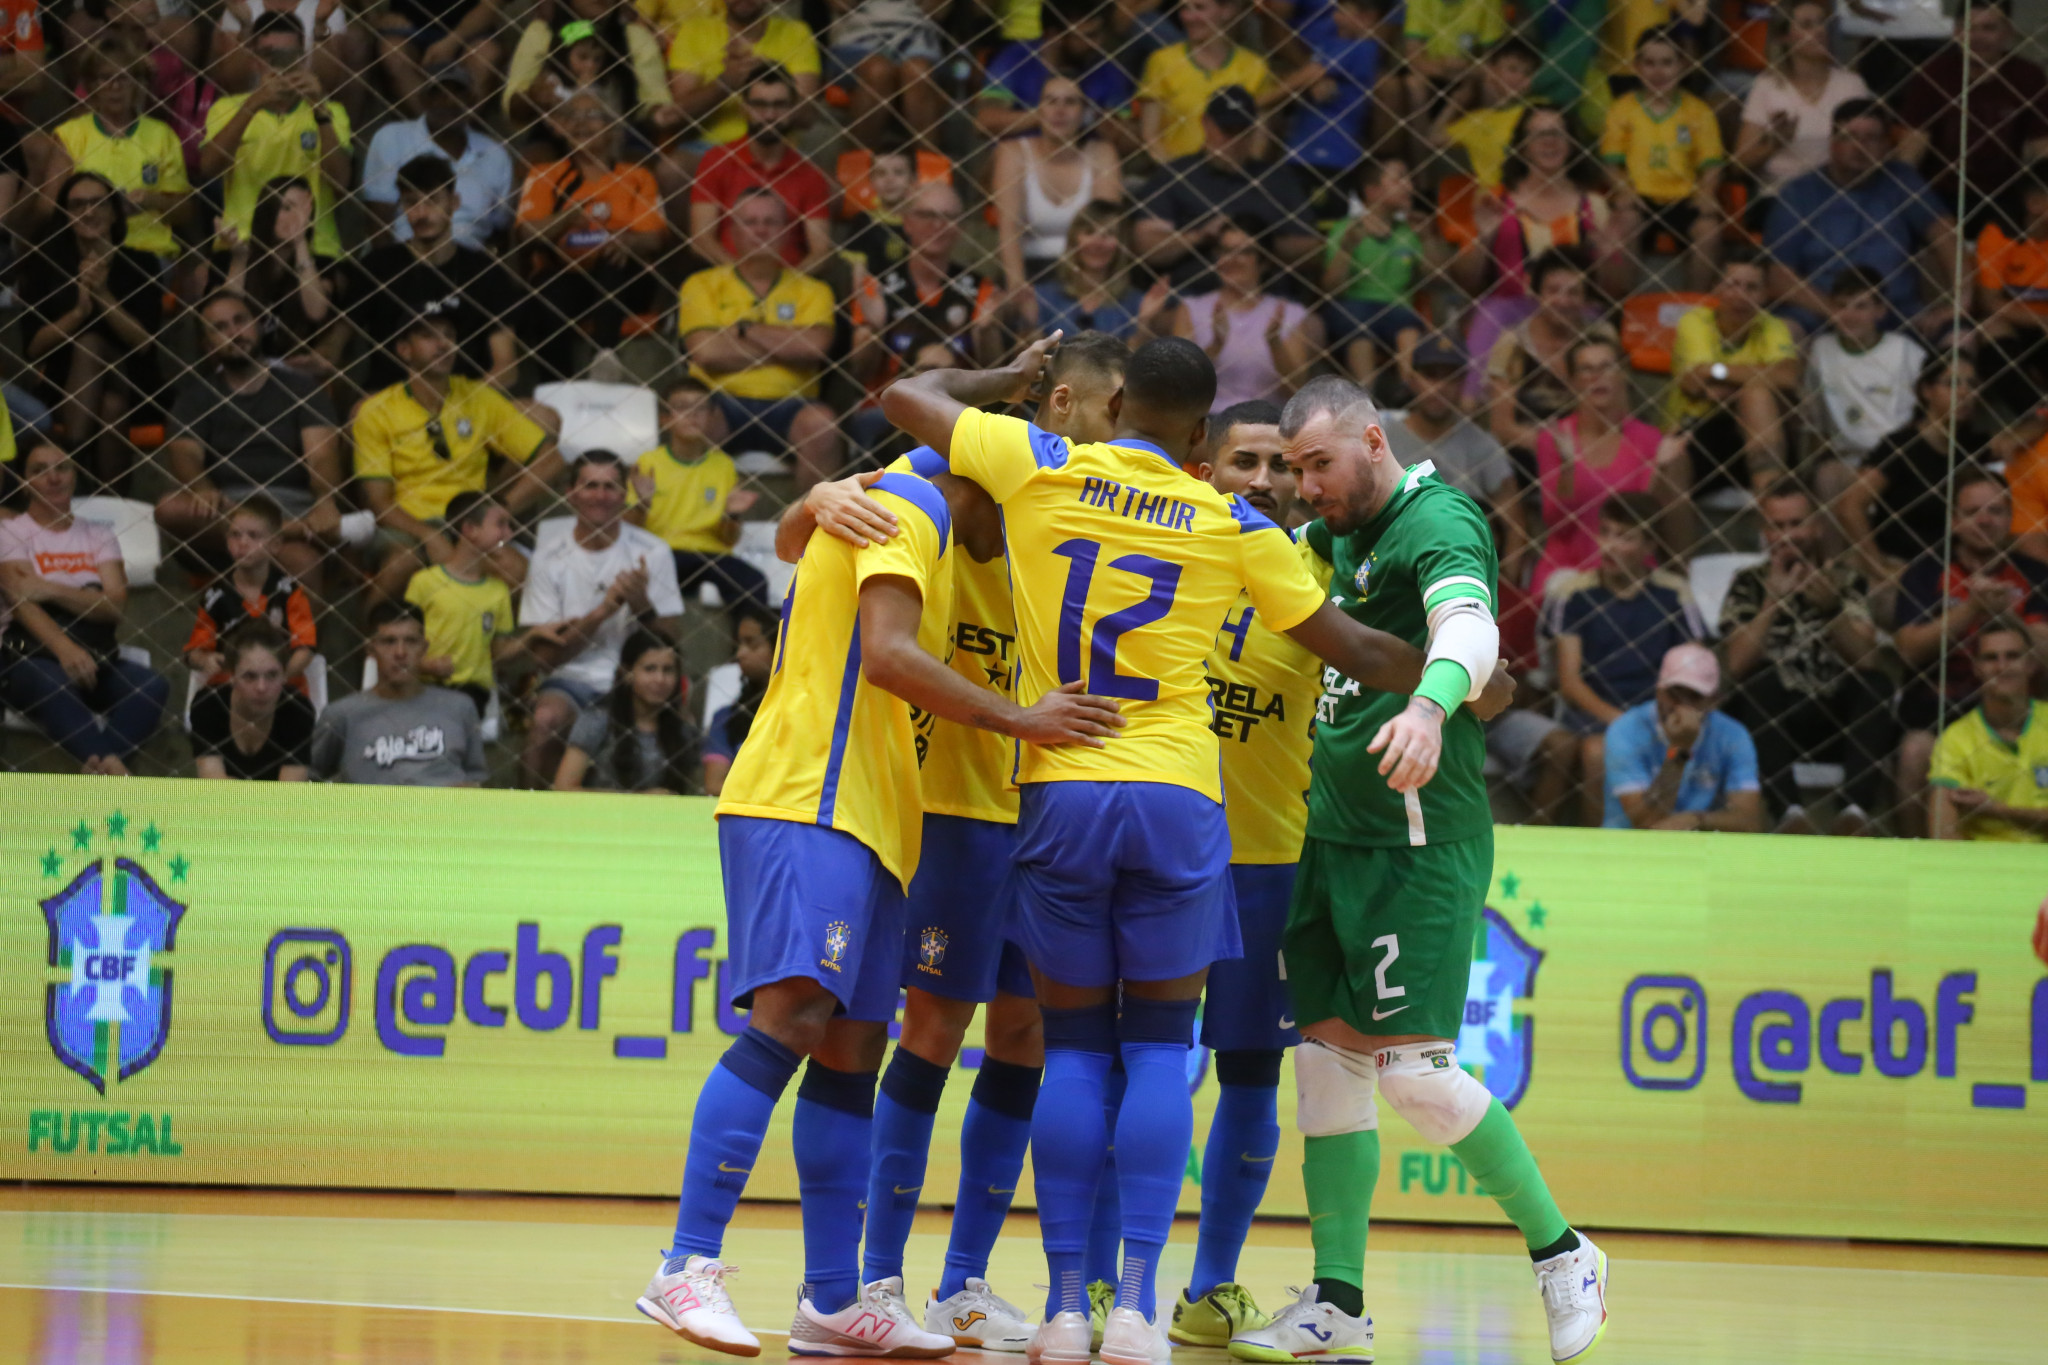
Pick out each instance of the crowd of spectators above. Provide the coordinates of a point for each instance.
(1735, 323)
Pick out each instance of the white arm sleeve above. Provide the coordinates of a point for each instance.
(1463, 631)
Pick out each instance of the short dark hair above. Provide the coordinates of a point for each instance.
(1556, 259)
(1253, 412)
(1171, 375)
(225, 295)
(467, 508)
(260, 505)
(426, 175)
(1969, 475)
(595, 459)
(685, 384)
(1659, 33)
(1745, 254)
(1999, 625)
(386, 613)
(252, 632)
(1853, 280)
(1636, 510)
(1096, 353)
(1788, 486)
(1848, 111)
(270, 23)
(770, 73)
(1514, 45)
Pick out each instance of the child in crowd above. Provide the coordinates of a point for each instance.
(1371, 265)
(877, 233)
(753, 649)
(254, 586)
(684, 491)
(1667, 141)
(469, 620)
(1485, 132)
(1864, 375)
(637, 739)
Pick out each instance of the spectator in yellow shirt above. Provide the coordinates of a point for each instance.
(714, 57)
(1668, 143)
(469, 619)
(1735, 374)
(685, 491)
(1442, 39)
(137, 155)
(1486, 132)
(757, 334)
(285, 127)
(1989, 777)
(1180, 79)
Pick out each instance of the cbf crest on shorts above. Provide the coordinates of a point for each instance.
(109, 1018)
(931, 950)
(838, 938)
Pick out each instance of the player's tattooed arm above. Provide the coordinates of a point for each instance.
(842, 508)
(928, 405)
(892, 660)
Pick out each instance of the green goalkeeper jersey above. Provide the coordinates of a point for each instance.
(1428, 546)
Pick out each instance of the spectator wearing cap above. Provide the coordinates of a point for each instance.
(1989, 775)
(1861, 208)
(1437, 430)
(1985, 113)
(1074, 46)
(1183, 210)
(1675, 762)
(483, 180)
(1371, 265)
(418, 36)
(433, 435)
(1261, 344)
(285, 127)
(763, 159)
(757, 334)
(1802, 653)
(713, 58)
(1735, 375)
(1176, 95)
(480, 299)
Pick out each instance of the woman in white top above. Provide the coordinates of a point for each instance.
(1040, 184)
(1785, 119)
(1262, 345)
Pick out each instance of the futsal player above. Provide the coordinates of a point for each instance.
(819, 834)
(1122, 565)
(958, 952)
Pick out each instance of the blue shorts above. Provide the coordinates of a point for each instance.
(582, 693)
(750, 422)
(803, 900)
(1123, 881)
(1247, 1007)
(962, 912)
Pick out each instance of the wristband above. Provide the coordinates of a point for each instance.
(1445, 682)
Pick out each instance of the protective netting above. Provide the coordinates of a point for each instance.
(1729, 314)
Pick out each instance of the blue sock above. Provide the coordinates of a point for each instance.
(1068, 1139)
(993, 1137)
(1153, 1131)
(726, 1130)
(835, 1117)
(1244, 1138)
(1106, 1235)
(903, 1137)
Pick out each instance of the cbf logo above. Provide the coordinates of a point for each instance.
(107, 998)
(837, 939)
(931, 950)
(1363, 578)
(1494, 1042)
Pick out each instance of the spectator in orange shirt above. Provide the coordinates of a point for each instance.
(592, 223)
(2012, 298)
(260, 589)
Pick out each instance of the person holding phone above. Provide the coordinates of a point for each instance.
(285, 127)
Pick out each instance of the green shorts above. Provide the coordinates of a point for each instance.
(1382, 937)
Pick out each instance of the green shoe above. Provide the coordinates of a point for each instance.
(1101, 1298)
(1216, 1317)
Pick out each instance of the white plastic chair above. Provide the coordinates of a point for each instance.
(1711, 576)
(721, 688)
(134, 526)
(757, 547)
(621, 418)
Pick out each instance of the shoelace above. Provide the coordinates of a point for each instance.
(891, 1304)
(1555, 1284)
(1236, 1301)
(709, 1281)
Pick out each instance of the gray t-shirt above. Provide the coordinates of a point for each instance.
(430, 740)
(591, 734)
(252, 440)
(1466, 457)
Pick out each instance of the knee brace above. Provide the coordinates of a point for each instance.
(1333, 1090)
(1426, 1086)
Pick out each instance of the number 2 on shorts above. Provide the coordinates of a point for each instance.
(1392, 943)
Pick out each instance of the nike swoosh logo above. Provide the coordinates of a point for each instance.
(1247, 1156)
(993, 1190)
(735, 1170)
(1379, 1014)
(1314, 1216)
(908, 1189)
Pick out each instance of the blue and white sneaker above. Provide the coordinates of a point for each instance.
(1574, 1289)
(1308, 1329)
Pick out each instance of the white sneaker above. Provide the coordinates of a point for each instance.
(877, 1323)
(1308, 1329)
(692, 1300)
(1127, 1339)
(1574, 1289)
(1062, 1340)
(977, 1316)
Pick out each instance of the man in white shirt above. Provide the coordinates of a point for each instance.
(484, 185)
(1866, 376)
(588, 589)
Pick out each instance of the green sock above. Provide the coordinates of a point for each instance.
(1501, 1162)
(1339, 1173)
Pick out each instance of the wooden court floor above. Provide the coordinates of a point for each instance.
(135, 1276)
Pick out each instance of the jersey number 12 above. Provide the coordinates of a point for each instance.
(1103, 679)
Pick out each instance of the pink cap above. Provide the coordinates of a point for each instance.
(1690, 666)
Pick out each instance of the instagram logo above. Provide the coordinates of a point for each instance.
(306, 976)
(1664, 1032)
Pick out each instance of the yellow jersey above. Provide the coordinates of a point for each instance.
(6, 432)
(1181, 88)
(1664, 154)
(1697, 341)
(464, 616)
(718, 297)
(274, 145)
(669, 15)
(146, 157)
(1123, 566)
(969, 772)
(1454, 28)
(1263, 689)
(1971, 754)
(394, 441)
(1485, 135)
(688, 505)
(699, 48)
(828, 747)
